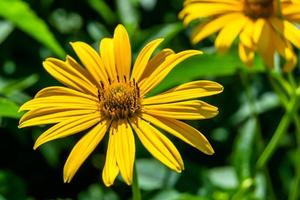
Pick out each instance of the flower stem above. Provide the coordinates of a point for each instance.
(295, 185)
(281, 129)
(136, 193)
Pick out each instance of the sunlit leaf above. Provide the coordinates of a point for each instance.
(5, 29)
(20, 14)
(127, 15)
(223, 177)
(103, 10)
(153, 175)
(11, 86)
(8, 108)
(244, 149)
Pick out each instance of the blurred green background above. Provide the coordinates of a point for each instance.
(33, 30)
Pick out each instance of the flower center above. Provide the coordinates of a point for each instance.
(119, 100)
(258, 8)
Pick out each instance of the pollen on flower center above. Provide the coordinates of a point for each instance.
(119, 100)
(258, 8)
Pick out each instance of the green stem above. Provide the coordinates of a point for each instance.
(279, 8)
(281, 129)
(296, 183)
(260, 142)
(136, 193)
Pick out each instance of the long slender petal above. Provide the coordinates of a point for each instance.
(288, 30)
(212, 26)
(191, 11)
(191, 90)
(63, 91)
(50, 116)
(107, 54)
(125, 150)
(122, 50)
(111, 169)
(163, 70)
(229, 33)
(91, 60)
(143, 58)
(190, 110)
(60, 102)
(158, 144)
(83, 149)
(61, 72)
(68, 127)
(182, 131)
(155, 61)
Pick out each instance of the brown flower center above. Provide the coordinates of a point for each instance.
(119, 100)
(258, 8)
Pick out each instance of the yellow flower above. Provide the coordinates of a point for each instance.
(106, 96)
(262, 26)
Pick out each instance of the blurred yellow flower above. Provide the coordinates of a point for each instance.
(263, 26)
(106, 96)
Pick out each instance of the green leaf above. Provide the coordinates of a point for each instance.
(5, 29)
(243, 150)
(8, 87)
(208, 64)
(153, 175)
(8, 108)
(167, 195)
(223, 177)
(20, 14)
(266, 102)
(11, 186)
(96, 192)
(166, 31)
(128, 15)
(103, 10)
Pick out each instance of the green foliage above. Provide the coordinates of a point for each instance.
(8, 108)
(251, 107)
(20, 14)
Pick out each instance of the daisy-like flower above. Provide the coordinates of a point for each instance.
(105, 96)
(263, 26)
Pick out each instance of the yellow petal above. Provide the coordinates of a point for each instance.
(204, 30)
(86, 75)
(268, 55)
(143, 58)
(288, 30)
(60, 102)
(49, 116)
(285, 49)
(246, 54)
(108, 57)
(68, 127)
(191, 90)
(64, 91)
(61, 72)
(182, 131)
(246, 34)
(111, 169)
(155, 61)
(229, 33)
(200, 10)
(122, 51)
(124, 150)
(261, 34)
(91, 60)
(158, 144)
(190, 110)
(83, 149)
(163, 70)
